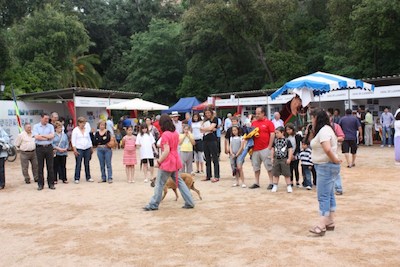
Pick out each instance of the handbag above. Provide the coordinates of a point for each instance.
(112, 143)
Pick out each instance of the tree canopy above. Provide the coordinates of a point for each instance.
(169, 49)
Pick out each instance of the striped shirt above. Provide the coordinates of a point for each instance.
(305, 157)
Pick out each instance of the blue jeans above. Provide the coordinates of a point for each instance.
(86, 156)
(386, 130)
(105, 154)
(327, 174)
(338, 184)
(306, 175)
(162, 177)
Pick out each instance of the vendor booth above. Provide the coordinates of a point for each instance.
(386, 94)
(184, 104)
(68, 103)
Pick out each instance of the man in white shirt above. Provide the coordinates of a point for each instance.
(175, 119)
(277, 120)
(26, 144)
(228, 122)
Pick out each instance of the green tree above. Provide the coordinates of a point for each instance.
(45, 44)
(376, 40)
(156, 61)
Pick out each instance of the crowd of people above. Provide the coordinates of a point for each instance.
(283, 148)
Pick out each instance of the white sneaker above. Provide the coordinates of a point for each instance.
(289, 189)
(389, 145)
(146, 180)
(274, 188)
(244, 186)
(309, 188)
(382, 145)
(90, 180)
(76, 181)
(234, 185)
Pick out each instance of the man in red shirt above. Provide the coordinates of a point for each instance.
(262, 147)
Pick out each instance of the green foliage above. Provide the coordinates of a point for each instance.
(168, 49)
(156, 61)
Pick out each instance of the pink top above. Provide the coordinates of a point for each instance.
(338, 130)
(173, 161)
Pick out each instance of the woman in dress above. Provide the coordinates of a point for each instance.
(129, 159)
(327, 164)
(169, 163)
(60, 147)
(104, 153)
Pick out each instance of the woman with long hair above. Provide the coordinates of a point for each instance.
(208, 128)
(104, 153)
(169, 163)
(327, 165)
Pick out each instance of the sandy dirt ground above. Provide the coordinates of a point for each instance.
(92, 224)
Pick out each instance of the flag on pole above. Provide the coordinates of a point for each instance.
(16, 110)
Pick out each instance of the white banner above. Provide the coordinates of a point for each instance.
(338, 95)
(81, 101)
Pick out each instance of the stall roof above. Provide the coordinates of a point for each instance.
(377, 81)
(246, 93)
(68, 94)
(184, 104)
(384, 80)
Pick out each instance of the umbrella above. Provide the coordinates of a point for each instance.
(319, 83)
(137, 104)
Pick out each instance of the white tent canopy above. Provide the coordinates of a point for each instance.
(137, 104)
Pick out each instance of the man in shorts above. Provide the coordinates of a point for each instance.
(262, 147)
(350, 126)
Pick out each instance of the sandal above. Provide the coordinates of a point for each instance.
(330, 227)
(214, 180)
(318, 231)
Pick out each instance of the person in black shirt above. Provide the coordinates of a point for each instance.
(104, 153)
(210, 143)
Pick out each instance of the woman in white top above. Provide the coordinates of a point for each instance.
(327, 165)
(198, 147)
(82, 147)
(146, 142)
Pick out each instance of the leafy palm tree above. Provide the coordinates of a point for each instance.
(83, 74)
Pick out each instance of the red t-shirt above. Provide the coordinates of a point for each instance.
(266, 127)
(158, 127)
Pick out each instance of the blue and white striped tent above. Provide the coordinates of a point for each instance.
(319, 83)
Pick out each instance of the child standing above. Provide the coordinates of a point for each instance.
(147, 145)
(281, 156)
(295, 140)
(118, 137)
(236, 148)
(306, 164)
(186, 141)
(129, 159)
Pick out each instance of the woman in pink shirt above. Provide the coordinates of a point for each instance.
(169, 163)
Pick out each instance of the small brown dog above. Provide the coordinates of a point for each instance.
(186, 177)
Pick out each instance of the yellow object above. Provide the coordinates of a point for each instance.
(254, 133)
